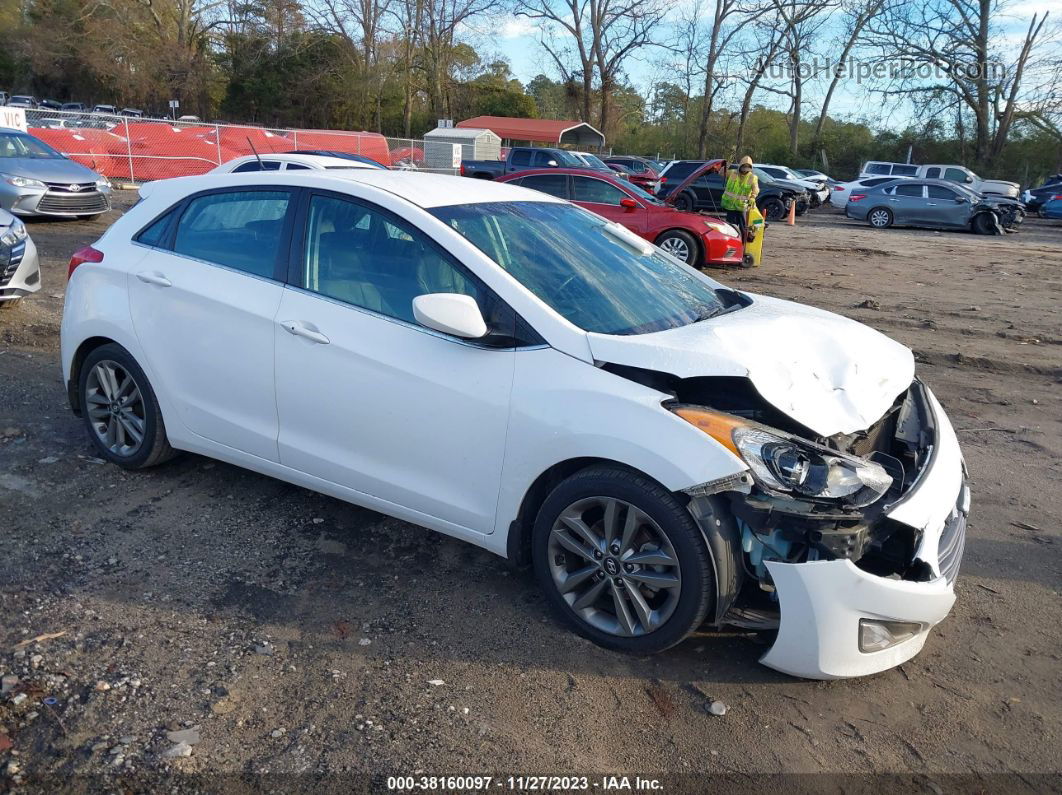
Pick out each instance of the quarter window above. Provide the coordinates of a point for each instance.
(238, 229)
(595, 191)
(155, 234)
(369, 259)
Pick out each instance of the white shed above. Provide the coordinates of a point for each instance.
(475, 144)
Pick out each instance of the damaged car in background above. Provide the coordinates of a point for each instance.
(934, 204)
(666, 451)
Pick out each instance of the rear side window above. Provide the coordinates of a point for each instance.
(933, 173)
(254, 165)
(297, 167)
(553, 184)
(904, 170)
(237, 229)
(155, 233)
(521, 157)
(878, 168)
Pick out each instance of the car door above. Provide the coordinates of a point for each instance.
(369, 399)
(942, 209)
(603, 198)
(908, 203)
(709, 189)
(203, 302)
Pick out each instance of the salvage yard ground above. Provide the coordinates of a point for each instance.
(302, 635)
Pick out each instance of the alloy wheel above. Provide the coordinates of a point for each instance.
(115, 408)
(879, 218)
(614, 566)
(677, 248)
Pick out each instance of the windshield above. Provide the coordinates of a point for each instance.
(579, 265)
(594, 161)
(16, 145)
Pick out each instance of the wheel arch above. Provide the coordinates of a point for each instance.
(86, 347)
(698, 244)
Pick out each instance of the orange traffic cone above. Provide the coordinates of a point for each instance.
(791, 220)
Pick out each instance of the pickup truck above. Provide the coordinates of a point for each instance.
(964, 176)
(520, 158)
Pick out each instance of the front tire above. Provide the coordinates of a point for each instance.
(773, 209)
(684, 203)
(880, 218)
(681, 245)
(120, 410)
(622, 561)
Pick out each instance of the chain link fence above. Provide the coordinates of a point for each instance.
(125, 148)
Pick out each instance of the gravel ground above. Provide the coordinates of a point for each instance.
(197, 626)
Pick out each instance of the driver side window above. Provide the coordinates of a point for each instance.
(365, 257)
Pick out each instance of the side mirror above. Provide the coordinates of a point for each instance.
(552, 164)
(628, 204)
(450, 313)
(960, 200)
(968, 178)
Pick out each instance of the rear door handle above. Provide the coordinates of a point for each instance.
(300, 329)
(154, 277)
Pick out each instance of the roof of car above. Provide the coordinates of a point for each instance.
(323, 161)
(421, 189)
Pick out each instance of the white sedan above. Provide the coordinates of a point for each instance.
(843, 191)
(509, 369)
(291, 161)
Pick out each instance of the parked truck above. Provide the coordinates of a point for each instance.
(520, 158)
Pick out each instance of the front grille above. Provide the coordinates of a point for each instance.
(952, 541)
(71, 187)
(89, 201)
(16, 254)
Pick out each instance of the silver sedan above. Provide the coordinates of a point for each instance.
(35, 179)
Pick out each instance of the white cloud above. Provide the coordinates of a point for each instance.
(516, 28)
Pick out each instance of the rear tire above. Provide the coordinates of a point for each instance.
(681, 245)
(880, 218)
(120, 410)
(622, 561)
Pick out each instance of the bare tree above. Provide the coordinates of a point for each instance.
(953, 48)
(769, 39)
(589, 36)
(858, 13)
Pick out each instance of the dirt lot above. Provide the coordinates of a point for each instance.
(302, 635)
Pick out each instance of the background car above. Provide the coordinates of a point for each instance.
(289, 162)
(110, 110)
(644, 172)
(933, 204)
(1052, 208)
(1035, 198)
(74, 107)
(818, 193)
(842, 190)
(706, 192)
(814, 173)
(35, 179)
(22, 101)
(20, 272)
(695, 239)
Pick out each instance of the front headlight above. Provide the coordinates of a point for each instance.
(22, 182)
(14, 233)
(788, 465)
(103, 184)
(721, 228)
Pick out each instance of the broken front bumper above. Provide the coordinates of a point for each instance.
(822, 602)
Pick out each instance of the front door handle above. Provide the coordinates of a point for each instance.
(300, 329)
(154, 277)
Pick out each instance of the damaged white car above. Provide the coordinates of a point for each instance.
(512, 370)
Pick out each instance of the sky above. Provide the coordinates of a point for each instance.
(516, 40)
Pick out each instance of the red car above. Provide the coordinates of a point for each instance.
(691, 237)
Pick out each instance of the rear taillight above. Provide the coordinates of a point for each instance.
(87, 254)
(663, 180)
(856, 197)
(1056, 197)
(838, 187)
(462, 169)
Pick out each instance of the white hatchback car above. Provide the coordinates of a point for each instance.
(509, 369)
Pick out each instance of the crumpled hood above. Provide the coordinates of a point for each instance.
(831, 374)
(48, 169)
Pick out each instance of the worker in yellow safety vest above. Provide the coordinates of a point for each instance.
(740, 194)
